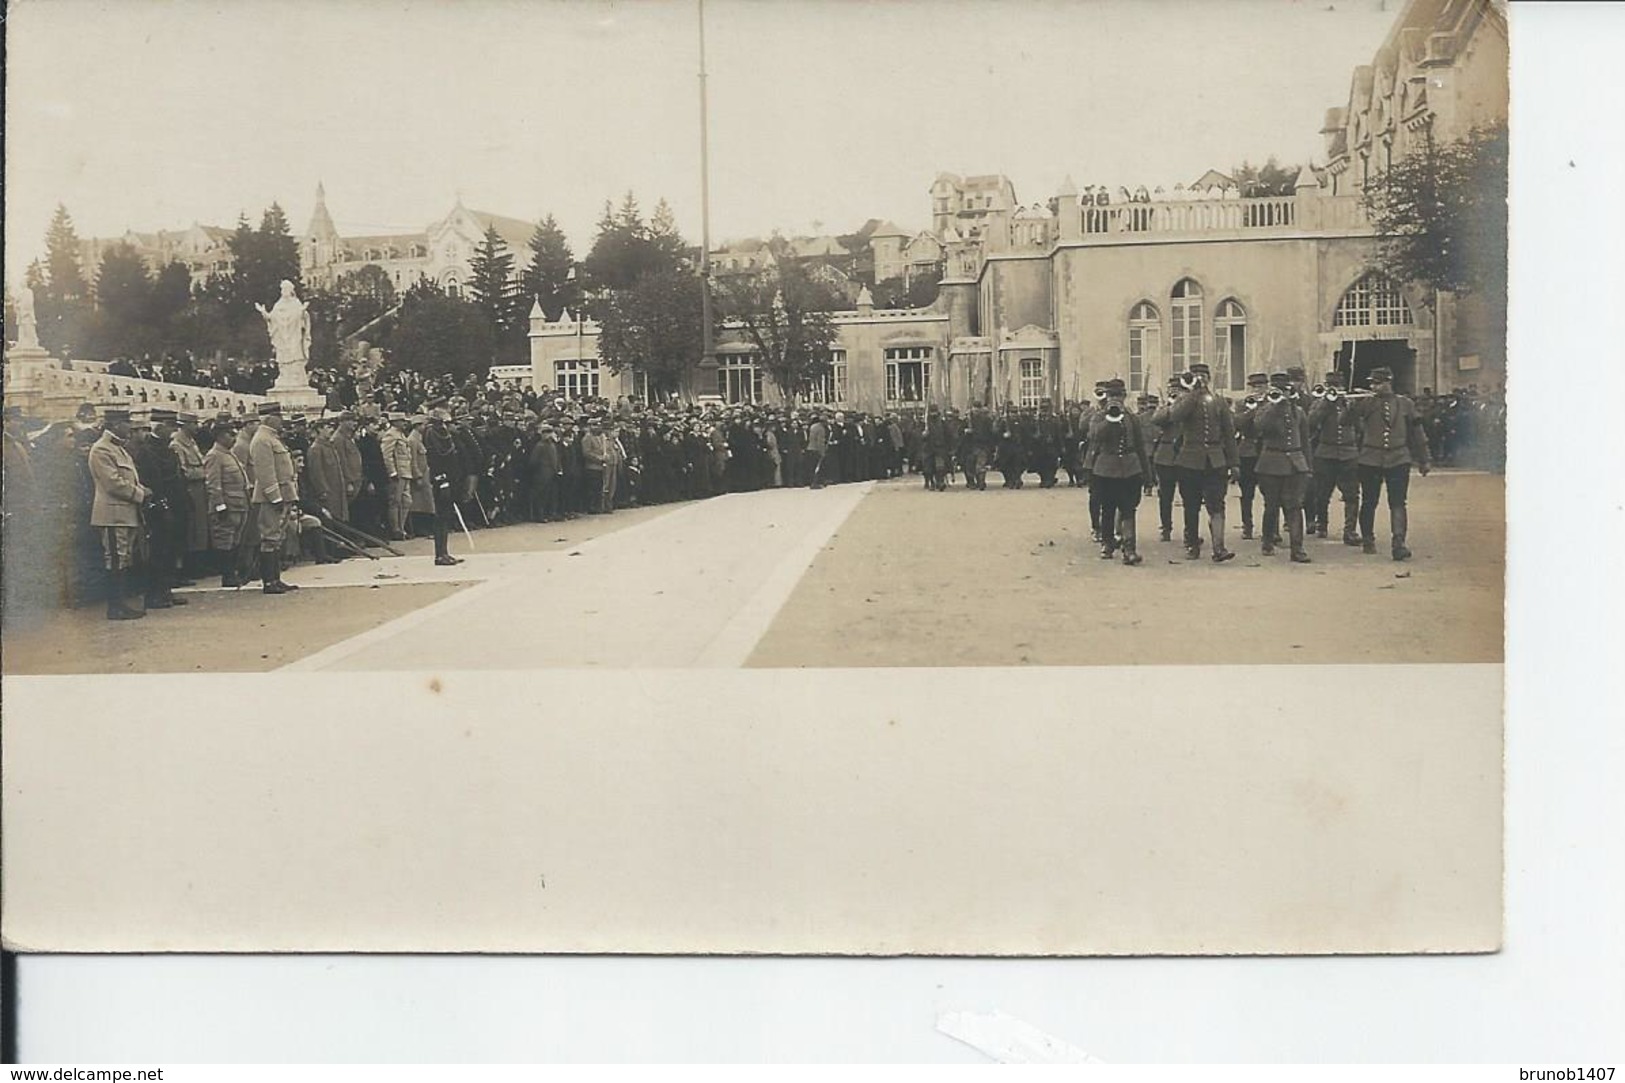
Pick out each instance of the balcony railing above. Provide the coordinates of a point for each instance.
(1286, 214)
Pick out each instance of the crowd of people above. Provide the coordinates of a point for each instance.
(242, 377)
(159, 498)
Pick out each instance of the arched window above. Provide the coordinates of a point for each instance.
(1230, 345)
(1144, 344)
(1187, 323)
(1373, 301)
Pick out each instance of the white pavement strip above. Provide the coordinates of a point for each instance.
(1009, 1040)
(696, 587)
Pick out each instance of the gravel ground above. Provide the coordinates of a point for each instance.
(1004, 578)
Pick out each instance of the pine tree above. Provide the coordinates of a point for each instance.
(279, 251)
(492, 289)
(62, 304)
(546, 279)
(124, 325)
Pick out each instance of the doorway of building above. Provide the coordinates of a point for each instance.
(1366, 354)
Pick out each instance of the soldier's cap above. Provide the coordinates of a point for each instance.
(269, 409)
(85, 411)
(1101, 384)
(298, 419)
(1257, 379)
(1116, 385)
(115, 413)
(222, 416)
(1173, 382)
(440, 413)
(1382, 373)
(1280, 379)
(186, 417)
(1149, 400)
(1200, 368)
(418, 419)
(1296, 372)
(1334, 379)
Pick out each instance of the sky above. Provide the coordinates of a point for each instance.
(153, 114)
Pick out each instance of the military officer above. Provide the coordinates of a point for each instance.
(1391, 440)
(1164, 453)
(1115, 467)
(160, 471)
(273, 495)
(116, 510)
(226, 483)
(1207, 458)
(443, 468)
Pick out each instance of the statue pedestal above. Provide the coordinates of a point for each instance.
(27, 369)
(293, 391)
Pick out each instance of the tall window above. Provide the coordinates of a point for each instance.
(576, 379)
(1373, 300)
(1230, 346)
(738, 378)
(908, 374)
(1144, 344)
(1187, 323)
(830, 389)
(1032, 381)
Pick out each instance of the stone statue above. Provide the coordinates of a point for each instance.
(288, 322)
(27, 327)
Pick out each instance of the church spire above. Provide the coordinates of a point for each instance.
(321, 223)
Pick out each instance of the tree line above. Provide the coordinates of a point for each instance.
(640, 282)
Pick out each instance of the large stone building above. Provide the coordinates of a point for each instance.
(1038, 302)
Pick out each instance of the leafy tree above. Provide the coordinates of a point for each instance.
(1270, 179)
(547, 277)
(441, 334)
(362, 295)
(786, 315)
(124, 326)
(1441, 215)
(655, 326)
(916, 291)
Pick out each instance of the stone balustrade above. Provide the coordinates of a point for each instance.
(1231, 217)
(50, 392)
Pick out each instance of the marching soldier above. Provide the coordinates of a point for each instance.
(1247, 478)
(1337, 448)
(1164, 454)
(1207, 458)
(1087, 417)
(1391, 440)
(1115, 468)
(1282, 431)
(935, 450)
(116, 511)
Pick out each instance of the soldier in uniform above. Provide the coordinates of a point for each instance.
(160, 471)
(1247, 477)
(1164, 455)
(227, 486)
(1115, 469)
(1048, 437)
(1087, 416)
(1010, 457)
(193, 523)
(977, 447)
(444, 465)
(1391, 440)
(1282, 432)
(935, 450)
(817, 450)
(116, 511)
(1207, 458)
(1336, 442)
(273, 496)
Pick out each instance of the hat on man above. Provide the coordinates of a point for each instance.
(1200, 368)
(269, 409)
(1280, 379)
(1257, 379)
(222, 415)
(161, 415)
(86, 412)
(1296, 372)
(1334, 379)
(186, 417)
(1382, 374)
(1116, 387)
(111, 414)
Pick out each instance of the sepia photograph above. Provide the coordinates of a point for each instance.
(925, 476)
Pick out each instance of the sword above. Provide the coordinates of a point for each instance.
(463, 523)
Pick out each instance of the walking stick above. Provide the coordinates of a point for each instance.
(356, 532)
(333, 535)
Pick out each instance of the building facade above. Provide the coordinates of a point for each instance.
(1038, 302)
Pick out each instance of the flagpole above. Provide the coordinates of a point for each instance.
(708, 351)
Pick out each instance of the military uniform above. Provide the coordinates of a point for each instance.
(1115, 467)
(1391, 439)
(1282, 430)
(115, 511)
(227, 486)
(1164, 459)
(1207, 456)
(1336, 440)
(160, 470)
(1248, 450)
(272, 497)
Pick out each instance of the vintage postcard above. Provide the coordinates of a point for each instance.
(703, 476)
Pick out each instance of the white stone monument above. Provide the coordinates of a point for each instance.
(288, 324)
(27, 363)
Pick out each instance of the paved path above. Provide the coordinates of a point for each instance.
(697, 586)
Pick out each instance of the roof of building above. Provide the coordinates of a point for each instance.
(515, 231)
